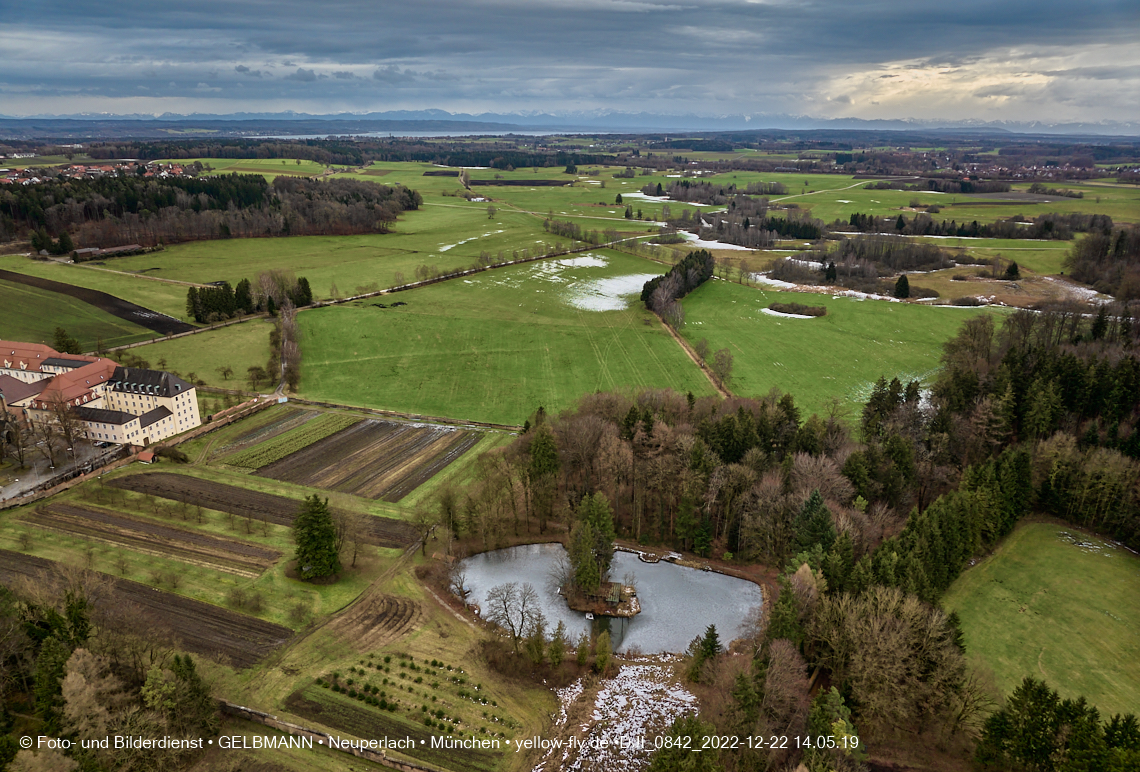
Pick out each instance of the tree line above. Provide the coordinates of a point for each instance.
(662, 293)
(1053, 226)
(274, 290)
(125, 209)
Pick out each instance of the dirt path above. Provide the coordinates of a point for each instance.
(721, 390)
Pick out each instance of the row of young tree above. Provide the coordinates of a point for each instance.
(125, 209)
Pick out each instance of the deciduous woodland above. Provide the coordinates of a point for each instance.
(112, 211)
(1037, 414)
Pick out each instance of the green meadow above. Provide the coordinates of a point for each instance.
(498, 345)
(201, 356)
(1056, 604)
(161, 296)
(31, 314)
(839, 355)
(429, 237)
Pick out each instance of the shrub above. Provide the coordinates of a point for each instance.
(798, 308)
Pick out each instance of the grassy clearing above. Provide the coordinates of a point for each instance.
(839, 355)
(1045, 607)
(238, 346)
(31, 314)
(161, 296)
(494, 347)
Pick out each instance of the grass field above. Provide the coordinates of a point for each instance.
(1046, 607)
(427, 237)
(238, 346)
(839, 355)
(31, 314)
(164, 297)
(497, 346)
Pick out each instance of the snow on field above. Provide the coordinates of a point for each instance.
(609, 294)
(691, 238)
(843, 201)
(638, 704)
(770, 312)
(662, 199)
(763, 278)
(459, 243)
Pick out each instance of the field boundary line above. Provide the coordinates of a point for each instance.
(722, 390)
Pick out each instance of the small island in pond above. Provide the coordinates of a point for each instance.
(612, 599)
(585, 581)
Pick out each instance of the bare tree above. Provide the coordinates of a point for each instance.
(424, 520)
(491, 212)
(513, 608)
(16, 436)
(722, 365)
(226, 372)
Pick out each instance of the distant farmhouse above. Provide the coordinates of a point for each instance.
(122, 405)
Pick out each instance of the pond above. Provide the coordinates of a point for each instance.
(677, 602)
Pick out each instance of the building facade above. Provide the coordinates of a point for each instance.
(109, 403)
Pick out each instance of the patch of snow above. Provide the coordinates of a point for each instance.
(609, 294)
(638, 704)
(770, 312)
(763, 278)
(844, 201)
(662, 199)
(693, 239)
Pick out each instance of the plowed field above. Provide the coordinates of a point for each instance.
(201, 628)
(374, 459)
(229, 555)
(376, 620)
(382, 531)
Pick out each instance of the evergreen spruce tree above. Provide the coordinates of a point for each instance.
(315, 535)
(902, 287)
(813, 525)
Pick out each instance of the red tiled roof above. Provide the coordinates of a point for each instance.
(24, 356)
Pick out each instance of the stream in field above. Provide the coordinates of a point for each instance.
(677, 602)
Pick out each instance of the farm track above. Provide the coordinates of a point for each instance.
(228, 555)
(144, 317)
(201, 628)
(374, 459)
(381, 531)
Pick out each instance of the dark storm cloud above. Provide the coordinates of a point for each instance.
(660, 55)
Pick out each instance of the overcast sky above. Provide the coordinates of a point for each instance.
(1048, 60)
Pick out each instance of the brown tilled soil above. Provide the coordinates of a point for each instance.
(373, 458)
(145, 536)
(382, 531)
(375, 620)
(201, 628)
(144, 317)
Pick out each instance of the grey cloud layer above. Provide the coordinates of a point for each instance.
(662, 55)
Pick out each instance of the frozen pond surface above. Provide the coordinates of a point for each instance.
(677, 602)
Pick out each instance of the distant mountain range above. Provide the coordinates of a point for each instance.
(171, 125)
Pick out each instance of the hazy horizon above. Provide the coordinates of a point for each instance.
(972, 61)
